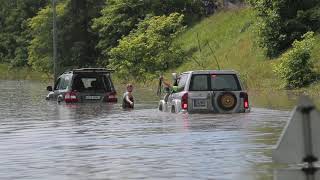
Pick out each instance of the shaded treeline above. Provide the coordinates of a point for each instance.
(87, 29)
(14, 32)
(135, 36)
(76, 40)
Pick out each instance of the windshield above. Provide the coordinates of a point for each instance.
(214, 82)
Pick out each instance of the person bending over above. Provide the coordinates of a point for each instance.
(167, 88)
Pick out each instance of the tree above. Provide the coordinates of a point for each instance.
(149, 49)
(284, 21)
(14, 32)
(120, 17)
(76, 39)
(296, 67)
(40, 48)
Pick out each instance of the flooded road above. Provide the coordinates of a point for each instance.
(44, 140)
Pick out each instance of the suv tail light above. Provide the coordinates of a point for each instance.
(245, 99)
(71, 97)
(184, 101)
(112, 97)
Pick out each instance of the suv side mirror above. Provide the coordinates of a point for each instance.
(49, 88)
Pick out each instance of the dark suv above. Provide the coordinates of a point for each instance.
(84, 85)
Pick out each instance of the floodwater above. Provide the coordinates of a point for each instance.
(44, 140)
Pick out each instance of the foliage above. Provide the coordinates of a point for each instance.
(295, 66)
(193, 10)
(26, 28)
(76, 40)
(149, 48)
(120, 17)
(310, 17)
(14, 33)
(283, 21)
(40, 48)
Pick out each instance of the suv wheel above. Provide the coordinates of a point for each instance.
(160, 107)
(227, 101)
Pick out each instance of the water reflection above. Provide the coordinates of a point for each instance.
(44, 140)
(84, 111)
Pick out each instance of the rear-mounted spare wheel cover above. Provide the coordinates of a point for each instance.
(227, 101)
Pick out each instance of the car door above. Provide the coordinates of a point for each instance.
(226, 91)
(61, 87)
(175, 98)
(56, 89)
(200, 93)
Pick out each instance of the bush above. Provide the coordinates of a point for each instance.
(281, 22)
(270, 37)
(295, 66)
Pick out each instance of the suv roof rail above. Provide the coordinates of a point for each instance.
(98, 70)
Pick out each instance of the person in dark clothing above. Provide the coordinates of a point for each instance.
(128, 100)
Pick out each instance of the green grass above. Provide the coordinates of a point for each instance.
(232, 40)
(23, 73)
(316, 53)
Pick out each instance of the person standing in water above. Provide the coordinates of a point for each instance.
(168, 88)
(128, 100)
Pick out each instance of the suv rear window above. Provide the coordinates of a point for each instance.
(214, 82)
(84, 82)
(182, 82)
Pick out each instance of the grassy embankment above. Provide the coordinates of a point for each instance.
(231, 36)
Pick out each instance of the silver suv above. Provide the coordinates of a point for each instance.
(207, 91)
(83, 85)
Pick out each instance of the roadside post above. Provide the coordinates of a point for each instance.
(54, 39)
(299, 144)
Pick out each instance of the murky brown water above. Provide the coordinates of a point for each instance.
(44, 140)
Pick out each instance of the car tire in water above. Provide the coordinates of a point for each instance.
(160, 107)
(173, 109)
(225, 102)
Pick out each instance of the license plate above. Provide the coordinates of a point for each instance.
(93, 97)
(200, 103)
